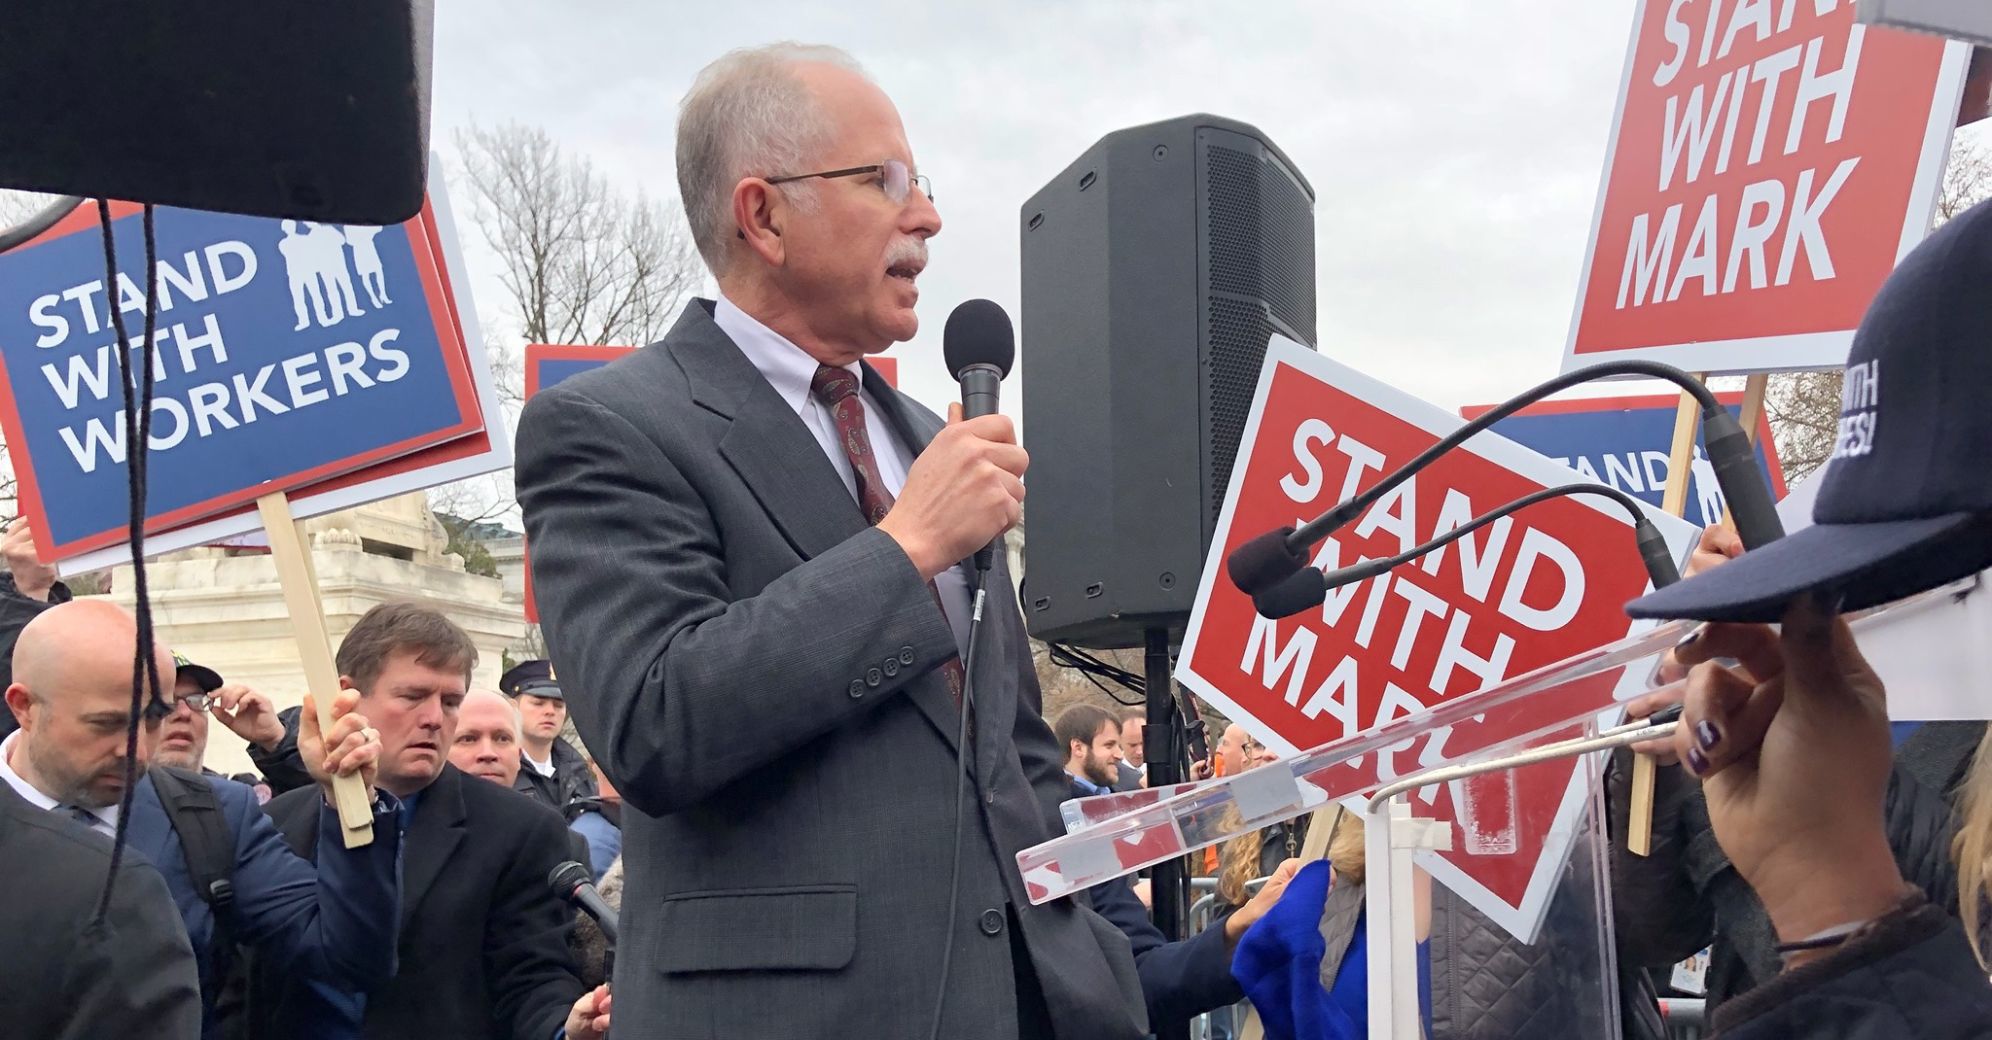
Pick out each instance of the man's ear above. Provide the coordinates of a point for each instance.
(759, 211)
(22, 704)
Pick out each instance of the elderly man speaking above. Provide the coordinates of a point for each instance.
(747, 550)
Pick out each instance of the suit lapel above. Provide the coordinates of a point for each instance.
(767, 443)
(432, 838)
(784, 466)
(915, 427)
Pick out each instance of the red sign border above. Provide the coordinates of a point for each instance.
(1811, 351)
(435, 289)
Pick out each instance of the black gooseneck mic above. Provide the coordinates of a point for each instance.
(979, 345)
(1307, 587)
(576, 886)
(1276, 555)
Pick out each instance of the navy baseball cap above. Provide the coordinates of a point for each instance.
(1904, 505)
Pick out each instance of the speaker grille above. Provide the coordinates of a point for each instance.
(1232, 186)
(1287, 249)
(1260, 265)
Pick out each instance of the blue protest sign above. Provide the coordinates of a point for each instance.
(286, 353)
(1624, 442)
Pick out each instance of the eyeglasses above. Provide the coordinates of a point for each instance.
(894, 178)
(159, 708)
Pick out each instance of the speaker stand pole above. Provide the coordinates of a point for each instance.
(1164, 746)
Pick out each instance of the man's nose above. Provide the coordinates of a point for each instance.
(922, 218)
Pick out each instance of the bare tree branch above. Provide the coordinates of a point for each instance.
(581, 261)
(1804, 407)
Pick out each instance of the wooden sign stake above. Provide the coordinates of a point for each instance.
(288, 548)
(1680, 461)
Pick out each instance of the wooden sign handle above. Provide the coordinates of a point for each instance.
(1680, 460)
(321, 676)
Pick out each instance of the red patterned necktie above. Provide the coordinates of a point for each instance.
(837, 389)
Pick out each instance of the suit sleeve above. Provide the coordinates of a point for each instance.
(680, 689)
(134, 974)
(528, 969)
(1179, 980)
(336, 921)
(1037, 747)
(282, 766)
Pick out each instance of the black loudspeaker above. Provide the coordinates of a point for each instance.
(1154, 269)
(312, 110)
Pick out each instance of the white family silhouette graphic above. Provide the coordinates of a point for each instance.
(315, 261)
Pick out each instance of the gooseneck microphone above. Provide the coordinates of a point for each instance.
(1273, 557)
(1308, 587)
(979, 345)
(576, 886)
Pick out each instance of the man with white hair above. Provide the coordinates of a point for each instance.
(748, 551)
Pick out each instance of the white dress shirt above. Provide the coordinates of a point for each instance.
(104, 821)
(789, 369)
(542, 768)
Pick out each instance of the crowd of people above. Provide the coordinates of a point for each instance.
(752, 557)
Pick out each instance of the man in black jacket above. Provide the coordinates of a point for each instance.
(483, 950)
(66, 977)
(550, 770)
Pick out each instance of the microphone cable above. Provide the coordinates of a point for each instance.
(962, 752)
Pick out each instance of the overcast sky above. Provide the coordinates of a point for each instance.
(1454, 146)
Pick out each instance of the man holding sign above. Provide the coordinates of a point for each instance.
(234, 881)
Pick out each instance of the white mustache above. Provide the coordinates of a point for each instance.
(907, 251)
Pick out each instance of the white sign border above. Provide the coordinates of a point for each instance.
(1806, 351)
(499, 456)
(1523, 921)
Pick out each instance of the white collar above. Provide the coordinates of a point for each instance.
(787, 367)
(108, 815)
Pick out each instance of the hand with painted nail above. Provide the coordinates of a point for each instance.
(1793, 750)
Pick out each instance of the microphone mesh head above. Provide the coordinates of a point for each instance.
(979, 333)
(567, 877)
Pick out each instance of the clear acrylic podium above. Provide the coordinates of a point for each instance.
(1463, 744)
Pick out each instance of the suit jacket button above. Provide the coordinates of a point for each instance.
(857, 688)
(906, 656)
(891, 666)
(992, 922)
(873, 678)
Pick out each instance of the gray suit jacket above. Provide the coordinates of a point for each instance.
(758, 671)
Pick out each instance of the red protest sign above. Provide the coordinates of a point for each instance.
(1529, 590)
(1769, 163)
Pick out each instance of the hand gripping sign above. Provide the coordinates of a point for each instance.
(1769, 162)
(1526, 591)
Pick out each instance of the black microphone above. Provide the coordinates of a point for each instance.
(1307, 587)
(980, 345)
(576, 886)
(1271, 558)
